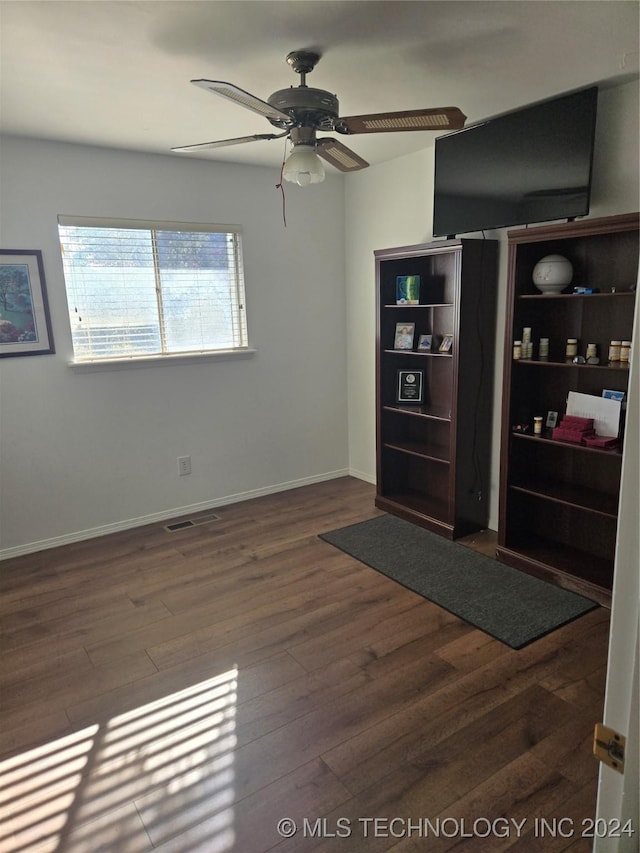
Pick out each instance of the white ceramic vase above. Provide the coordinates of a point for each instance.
(552, 274)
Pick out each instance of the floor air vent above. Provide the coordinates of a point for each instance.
(191, 522)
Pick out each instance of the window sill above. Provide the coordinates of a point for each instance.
(160, 360)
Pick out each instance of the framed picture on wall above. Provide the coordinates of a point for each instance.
(25, 326)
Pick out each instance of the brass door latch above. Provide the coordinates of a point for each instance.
(608, 746)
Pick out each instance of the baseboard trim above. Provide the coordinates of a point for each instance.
(165, 515)
(361, 475)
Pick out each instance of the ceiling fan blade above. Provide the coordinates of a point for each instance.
(441, 118)
(245, 99)
(340, 156)
(222, 143)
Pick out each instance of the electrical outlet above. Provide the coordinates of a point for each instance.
(184, 465)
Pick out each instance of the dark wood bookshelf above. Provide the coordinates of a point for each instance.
(559, 500)
(433, 457)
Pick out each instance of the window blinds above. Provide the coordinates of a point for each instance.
(139, 289)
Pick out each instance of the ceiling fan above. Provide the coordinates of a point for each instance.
(300, 112)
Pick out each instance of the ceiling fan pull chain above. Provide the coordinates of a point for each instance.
(280, 186)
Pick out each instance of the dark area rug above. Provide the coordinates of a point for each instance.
(509, 605)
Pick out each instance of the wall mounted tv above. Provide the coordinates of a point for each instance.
(529, 165)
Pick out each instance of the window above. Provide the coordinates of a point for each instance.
(148, 289)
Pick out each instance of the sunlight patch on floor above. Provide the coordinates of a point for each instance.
(138, 780)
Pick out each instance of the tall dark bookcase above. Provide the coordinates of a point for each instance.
(558, 500)
(433, 455)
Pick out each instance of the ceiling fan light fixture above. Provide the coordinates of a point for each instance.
(303, 166)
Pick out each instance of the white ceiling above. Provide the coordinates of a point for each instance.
(117, 73)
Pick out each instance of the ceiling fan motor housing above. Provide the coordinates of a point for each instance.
(307, 107)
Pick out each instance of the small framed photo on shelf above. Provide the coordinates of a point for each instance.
(410, 386)
(552, 419)
(407, 289)
(404, 335)
(424, 343)
(446, 344)
(607, 393)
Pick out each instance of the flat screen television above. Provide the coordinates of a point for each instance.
(529, 165)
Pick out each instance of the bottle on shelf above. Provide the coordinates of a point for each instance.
(543, 348)
(614, 351)
(571, 349)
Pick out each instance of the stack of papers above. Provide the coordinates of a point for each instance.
(604, 412)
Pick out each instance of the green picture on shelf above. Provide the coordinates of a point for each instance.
(407, 289)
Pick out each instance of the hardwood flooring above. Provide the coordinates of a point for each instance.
(187, 691)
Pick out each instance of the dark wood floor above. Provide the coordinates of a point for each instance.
(187, 691)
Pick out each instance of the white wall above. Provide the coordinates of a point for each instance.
(391, 205)
(83, 453)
